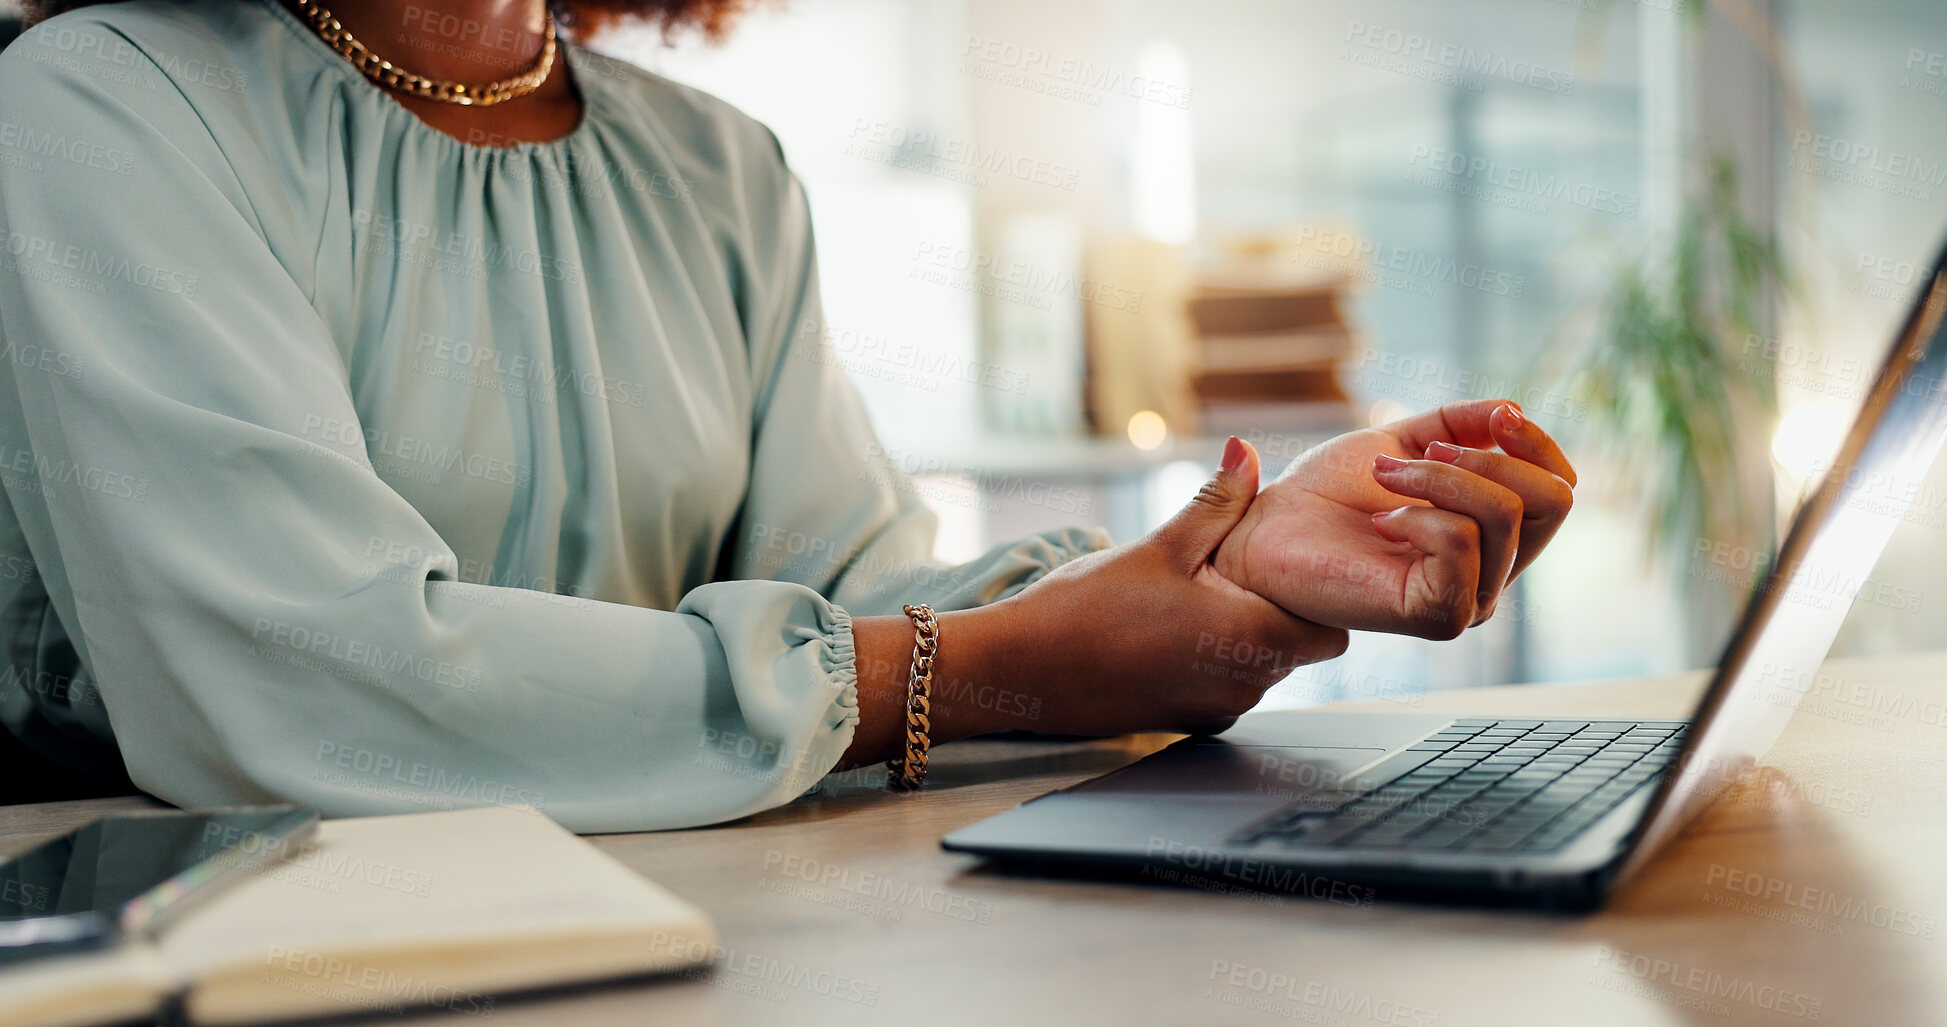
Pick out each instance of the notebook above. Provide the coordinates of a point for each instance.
(439, 910)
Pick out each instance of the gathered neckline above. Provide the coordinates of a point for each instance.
(575, 59)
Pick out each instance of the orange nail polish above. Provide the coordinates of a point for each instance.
(1513, 414)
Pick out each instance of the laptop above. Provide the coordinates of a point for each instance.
(1504, 810)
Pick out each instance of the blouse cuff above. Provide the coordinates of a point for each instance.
(1053, 549)
(842, 664)
(1072, 544)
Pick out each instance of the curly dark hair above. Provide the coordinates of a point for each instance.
(582, 18)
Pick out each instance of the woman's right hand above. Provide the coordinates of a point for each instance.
(1415, 527)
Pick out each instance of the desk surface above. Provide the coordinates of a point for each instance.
(1811, 893)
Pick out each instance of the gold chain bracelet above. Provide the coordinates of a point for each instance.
(909, 771)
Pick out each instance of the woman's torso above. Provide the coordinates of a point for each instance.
(544, 344)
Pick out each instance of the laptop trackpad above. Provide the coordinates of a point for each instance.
(1237, 771)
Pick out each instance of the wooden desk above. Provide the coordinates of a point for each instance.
(842, 909)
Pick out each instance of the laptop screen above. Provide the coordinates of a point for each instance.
(1836, 537)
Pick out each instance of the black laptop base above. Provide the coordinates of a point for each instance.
(1356, 808)
(1350, 887)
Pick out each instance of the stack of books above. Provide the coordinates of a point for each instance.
(1267, 351)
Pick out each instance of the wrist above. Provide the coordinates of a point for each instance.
(971, 678)
(962, 703)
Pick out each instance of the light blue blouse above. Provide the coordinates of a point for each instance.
(352, 465)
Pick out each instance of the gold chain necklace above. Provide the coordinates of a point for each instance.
(391, 76)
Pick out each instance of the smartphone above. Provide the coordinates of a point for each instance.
(128, 875)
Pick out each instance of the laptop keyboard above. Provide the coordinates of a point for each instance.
(1507, 785)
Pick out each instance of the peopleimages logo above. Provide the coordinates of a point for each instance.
(1224, 866)
(1821, 902)
(857, 350)
(1275, 991)
(1068, 78)
(1403, 376)
(359, 653)
(1893, 163)
(877, 886)
(1866, 696)
(422, 780)
(945, 263)
(455, 252)
(32, 252)
(137, 63)
(1838, 159)
(1707, 985)
(1383, 263)
(1525, 183)
(1462, 60)
(915, 149)
(64, 149)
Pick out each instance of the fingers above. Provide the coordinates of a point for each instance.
(1522, 439)
(1300, 641)
(1495, 510)
(1545, 497)
(1439, 600)
(1199, 528)
(1480, 423)
(1265, 645)
(1252, 644)
(1464, 424)
(1278, 640)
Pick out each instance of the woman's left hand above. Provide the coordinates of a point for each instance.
(1412, 528)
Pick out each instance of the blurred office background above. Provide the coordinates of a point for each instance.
(998, 183)
(1068, 245)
